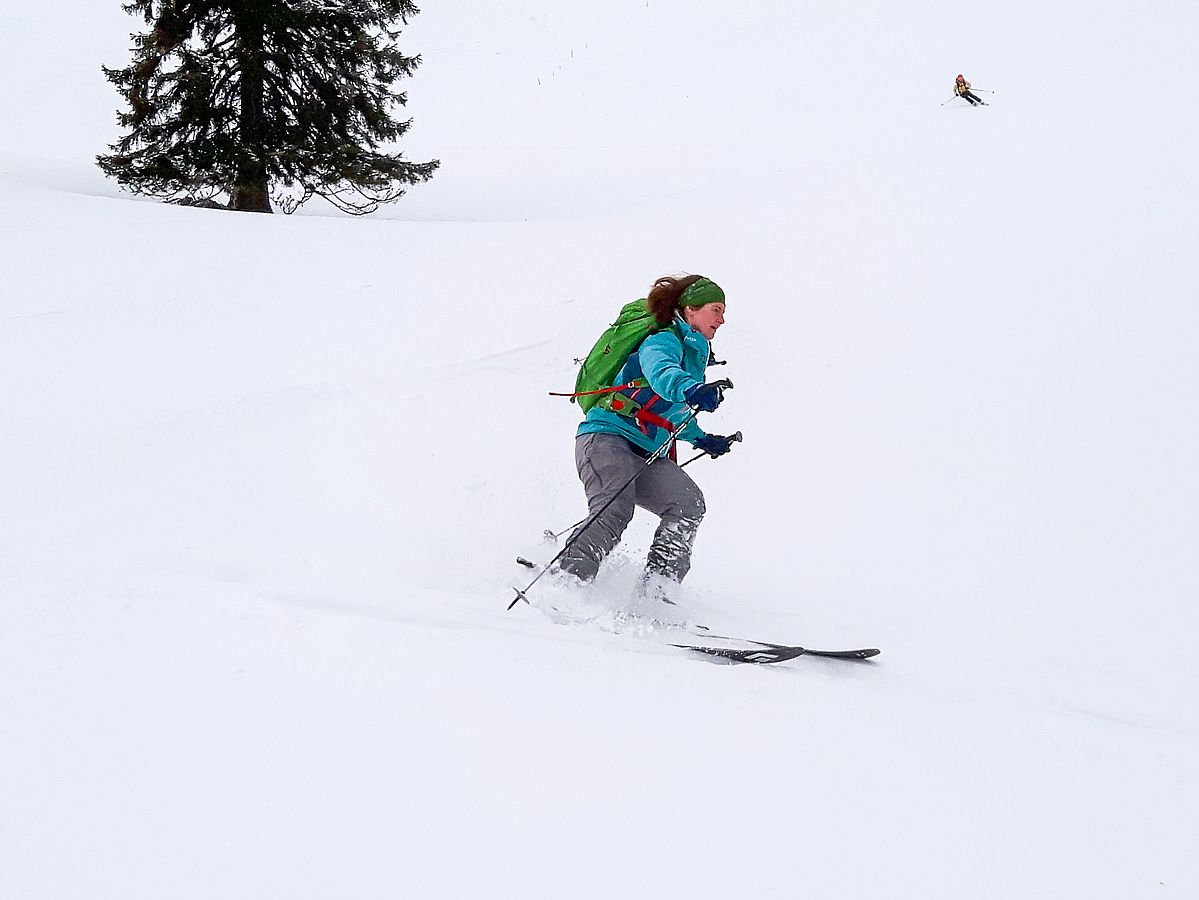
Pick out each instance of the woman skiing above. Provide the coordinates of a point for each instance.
(658, 392)
(961, 87)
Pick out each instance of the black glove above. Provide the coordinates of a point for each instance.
(705, 397)
(716, 444)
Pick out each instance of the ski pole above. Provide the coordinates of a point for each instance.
(662, 450)
(984, 90)
(551, 535)
(954, 97)
(554, 535)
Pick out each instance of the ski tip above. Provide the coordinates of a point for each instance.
(527, 563)
(846, 654)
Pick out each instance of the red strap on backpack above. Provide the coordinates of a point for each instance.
(609, 390)
(652, 418)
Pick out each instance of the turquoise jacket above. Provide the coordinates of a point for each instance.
(672, 361)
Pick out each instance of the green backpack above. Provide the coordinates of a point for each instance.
(634, 324)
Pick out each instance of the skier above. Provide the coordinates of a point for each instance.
(961, 87)
(622, 431)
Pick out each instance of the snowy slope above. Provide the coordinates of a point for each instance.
(263, 477)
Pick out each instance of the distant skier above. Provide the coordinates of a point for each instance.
(656, 390)
(961, 87)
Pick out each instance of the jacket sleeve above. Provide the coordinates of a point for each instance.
(662, 364)
(691, 432)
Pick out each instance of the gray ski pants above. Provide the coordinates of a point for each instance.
(606, 462)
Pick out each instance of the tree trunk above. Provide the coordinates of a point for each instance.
(251, 197)
(251, 189)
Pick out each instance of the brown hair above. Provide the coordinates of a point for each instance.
(663, 298)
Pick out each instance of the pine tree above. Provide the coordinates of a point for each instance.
(236, 97)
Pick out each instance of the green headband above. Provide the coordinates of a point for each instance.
(701, 293)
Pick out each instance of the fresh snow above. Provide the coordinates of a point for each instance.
(263, 477)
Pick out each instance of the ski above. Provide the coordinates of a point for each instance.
(867, 653)
(761, 653)
(764, 653)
